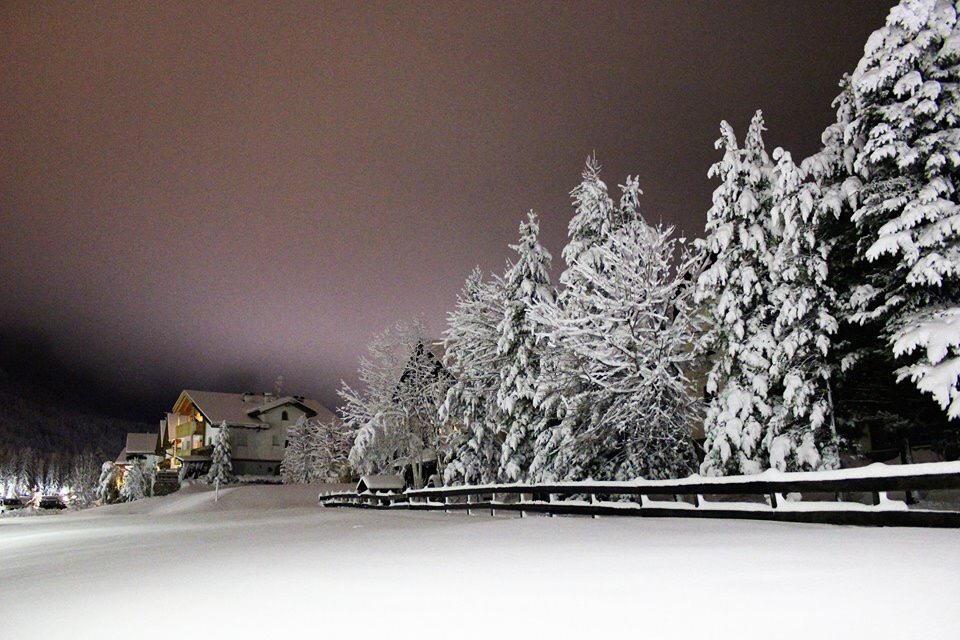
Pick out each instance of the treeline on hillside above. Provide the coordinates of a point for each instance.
(25, 471)
(49, 446)
(45, 421)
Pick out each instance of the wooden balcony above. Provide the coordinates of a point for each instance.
(190, 428)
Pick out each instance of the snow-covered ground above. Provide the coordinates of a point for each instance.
(266, 562)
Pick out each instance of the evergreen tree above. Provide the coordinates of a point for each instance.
(526, 284)
(134, 485)
(633, 338)
(562, 394)
(471, 405)
(907, 98)
(882, 171)
(221, 461)
(107, 484)
(736, 290)
(801, 434)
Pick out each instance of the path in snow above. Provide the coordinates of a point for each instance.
(265, 562)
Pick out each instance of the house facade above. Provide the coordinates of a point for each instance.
(258, 424)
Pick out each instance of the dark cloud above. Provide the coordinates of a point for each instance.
(209, 194)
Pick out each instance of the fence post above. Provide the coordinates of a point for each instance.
(593, 501)
(550, 501)
(493, 498)
(469, 510)
(773, 500)
(523, 514)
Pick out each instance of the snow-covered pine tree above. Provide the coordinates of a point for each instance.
(633, 338)
(107, 484)
(563, 395)
(801, 436)
(526, 283)
(470, 407)
(221, 460)
(293, 466)
(735, 288)
(906, 92)
(134, 485)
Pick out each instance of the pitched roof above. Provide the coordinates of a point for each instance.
(239, 409)
(138, 444)
(380, 483)
(141, 443)
(279, 402)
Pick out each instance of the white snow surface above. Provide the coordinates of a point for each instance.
(266, 561)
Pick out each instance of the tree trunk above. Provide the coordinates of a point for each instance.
(906, 457)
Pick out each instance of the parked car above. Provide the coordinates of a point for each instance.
(10, 504)
(52, 502)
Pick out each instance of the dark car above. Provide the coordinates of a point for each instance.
(10, 504)
(52, 502)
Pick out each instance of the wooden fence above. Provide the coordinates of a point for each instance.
(876, 495)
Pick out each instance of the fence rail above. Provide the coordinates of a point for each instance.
(826, 497)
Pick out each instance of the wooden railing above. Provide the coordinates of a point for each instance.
(849, 496)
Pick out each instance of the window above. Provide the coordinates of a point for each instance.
(276, 441)
(284, 416)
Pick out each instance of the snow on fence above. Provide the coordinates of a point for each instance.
(817, 497)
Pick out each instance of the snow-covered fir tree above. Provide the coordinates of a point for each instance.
(563, 395)
(134, 485)
(526, 284)
(471, 405)
(801, 435)
(906, 93)
(107, 492)
(633, 339)
(735, 289)
(221, 460)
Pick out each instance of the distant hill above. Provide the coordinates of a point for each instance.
(38, 418)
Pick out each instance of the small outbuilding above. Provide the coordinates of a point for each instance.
(381, 484)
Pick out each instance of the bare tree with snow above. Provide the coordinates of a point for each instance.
(395, 413)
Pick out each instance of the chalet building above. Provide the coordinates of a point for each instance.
(258, 424)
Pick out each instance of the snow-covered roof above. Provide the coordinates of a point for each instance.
(380, 483)
(138, 444)
(237, 408)
(141, 443)
(280, 402)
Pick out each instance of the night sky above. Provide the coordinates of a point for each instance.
(204, 195)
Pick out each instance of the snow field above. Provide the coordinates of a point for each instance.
(265, 561)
